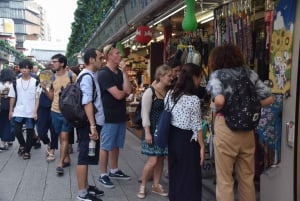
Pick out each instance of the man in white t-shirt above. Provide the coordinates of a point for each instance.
(24, 101)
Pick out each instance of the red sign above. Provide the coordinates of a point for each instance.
(143, 34)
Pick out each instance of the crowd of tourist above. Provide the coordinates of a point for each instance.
(30, 113)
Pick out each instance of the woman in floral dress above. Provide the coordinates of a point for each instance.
(152, 106)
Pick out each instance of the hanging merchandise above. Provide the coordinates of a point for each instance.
(189, 22)
(282, 47)
(193, 56)
(269, 132)
(232, 25)
(143, 34)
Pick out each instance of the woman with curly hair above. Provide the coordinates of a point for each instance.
(234, 149)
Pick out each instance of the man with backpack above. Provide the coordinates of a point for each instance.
(60, 124)
(24, 101)
(237, 94)
(90, 133)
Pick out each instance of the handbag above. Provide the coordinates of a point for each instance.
(162, 131)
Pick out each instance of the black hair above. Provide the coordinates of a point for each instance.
(185, 83)
(90, 53)
(173, 62)
(7, 75)
(61, 58)
(26, 63)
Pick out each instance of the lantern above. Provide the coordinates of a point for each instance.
(189, 22)
(143, 34)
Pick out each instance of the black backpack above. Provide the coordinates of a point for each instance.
(70, 103)
(242, 109)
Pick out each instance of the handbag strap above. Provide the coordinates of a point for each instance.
(167, 103)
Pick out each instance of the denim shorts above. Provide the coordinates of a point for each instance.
(112, 135)
(84, 139)
(29, 122)
(59, 123)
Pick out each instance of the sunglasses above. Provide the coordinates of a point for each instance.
(113, 46)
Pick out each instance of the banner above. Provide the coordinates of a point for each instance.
(282, 47)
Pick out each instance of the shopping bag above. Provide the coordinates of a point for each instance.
(162, 131)
(161, 134)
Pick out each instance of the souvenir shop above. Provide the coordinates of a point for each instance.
(264, 29)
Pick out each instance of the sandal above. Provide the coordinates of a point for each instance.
(21, 151)
(50, 157)
(26, 156)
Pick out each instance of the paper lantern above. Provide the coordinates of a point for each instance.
(189, 22)
(143, 34)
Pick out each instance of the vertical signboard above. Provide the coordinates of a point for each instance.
(282, 47)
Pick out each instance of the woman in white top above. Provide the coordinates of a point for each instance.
(186, 145)
(152, 106)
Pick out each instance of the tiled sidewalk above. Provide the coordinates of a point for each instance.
(36, 180)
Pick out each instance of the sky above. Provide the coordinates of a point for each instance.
(60, 15)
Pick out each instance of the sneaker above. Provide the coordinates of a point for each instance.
(93, 190)
(142, 192)
(119, 175)
(88, 197)
(159, 190)
(105, 181)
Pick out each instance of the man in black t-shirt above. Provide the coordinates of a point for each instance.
(115, 86)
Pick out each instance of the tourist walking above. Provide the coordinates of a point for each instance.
(7, 78)
(24, 101)
(60, 124)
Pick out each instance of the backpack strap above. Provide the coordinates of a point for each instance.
(153, 93)
(70, 74)
(94, 85)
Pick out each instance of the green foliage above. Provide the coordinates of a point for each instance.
(87, 17)
(6, 47)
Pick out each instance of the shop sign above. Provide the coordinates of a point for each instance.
(6, 26)
(143, 34)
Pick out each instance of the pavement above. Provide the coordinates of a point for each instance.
(36, 179)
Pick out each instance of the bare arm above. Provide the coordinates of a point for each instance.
(219, 101)
(36, 106)
(126, 84)
(267, 101)
(89, 111)
(11, 107)
(202, 147)
(49, 93)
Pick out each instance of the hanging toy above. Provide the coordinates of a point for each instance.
(189, 22)
(121, 49)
